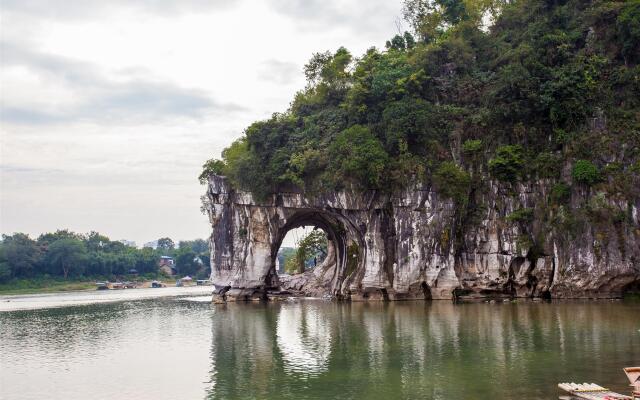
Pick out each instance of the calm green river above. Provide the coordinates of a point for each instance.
(175, 347)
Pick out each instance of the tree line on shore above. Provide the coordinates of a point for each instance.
(66, 254)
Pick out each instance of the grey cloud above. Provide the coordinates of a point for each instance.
(137, 99)
(309, 9)
(10, 168)
(375, 15)
(279, 72)
(13, 175)
(146, 101)
(81, 9)
(17, 115)
(22, 175)
(52, 66)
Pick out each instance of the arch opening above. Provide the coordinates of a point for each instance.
(321, 271)
(302, 249)
(631, 290)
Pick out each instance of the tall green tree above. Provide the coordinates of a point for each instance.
(146, 261)
(187, 262)
(5, 269)
(313, 246)
(198, 246)
(166, 245)
(47, 238)
(357, 156)
(68, 256)
(96, 241)
(21, 255)
(628, 24)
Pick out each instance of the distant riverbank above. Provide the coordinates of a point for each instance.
(34, 286)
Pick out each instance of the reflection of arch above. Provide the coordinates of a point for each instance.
(340, 233)
(304, 339)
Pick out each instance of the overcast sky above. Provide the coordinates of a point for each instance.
(109, 108)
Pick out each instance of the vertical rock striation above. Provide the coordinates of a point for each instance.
(415, 244)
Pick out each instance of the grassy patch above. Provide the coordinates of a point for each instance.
(51, 285)
(27, 286)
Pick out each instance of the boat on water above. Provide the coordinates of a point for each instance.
(633, 373)
(592, 391)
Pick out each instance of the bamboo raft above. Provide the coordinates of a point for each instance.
(591, 391)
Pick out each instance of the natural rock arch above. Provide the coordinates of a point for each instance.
(409, 245)
(247, 234)
(632, 288)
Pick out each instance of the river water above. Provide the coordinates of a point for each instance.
(150, 344)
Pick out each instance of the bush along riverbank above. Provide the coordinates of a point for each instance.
(52, 285)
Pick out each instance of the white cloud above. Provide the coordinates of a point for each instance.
(279, 72)
(69, 10)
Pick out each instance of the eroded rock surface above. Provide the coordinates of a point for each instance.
(418, 245)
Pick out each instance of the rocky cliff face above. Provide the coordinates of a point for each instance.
(415, 244)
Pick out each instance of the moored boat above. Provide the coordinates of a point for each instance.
(633, 373)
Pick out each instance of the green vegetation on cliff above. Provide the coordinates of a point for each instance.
(546, 90)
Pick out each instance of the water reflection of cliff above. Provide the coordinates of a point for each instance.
(304, 338)
(418, 350)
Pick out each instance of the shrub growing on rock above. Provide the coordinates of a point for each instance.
(585, 172)
(560, 193)
(211, 167)
(471, 146)
(508, 163)
(357, 155)
(452, 181)
(523, 215)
